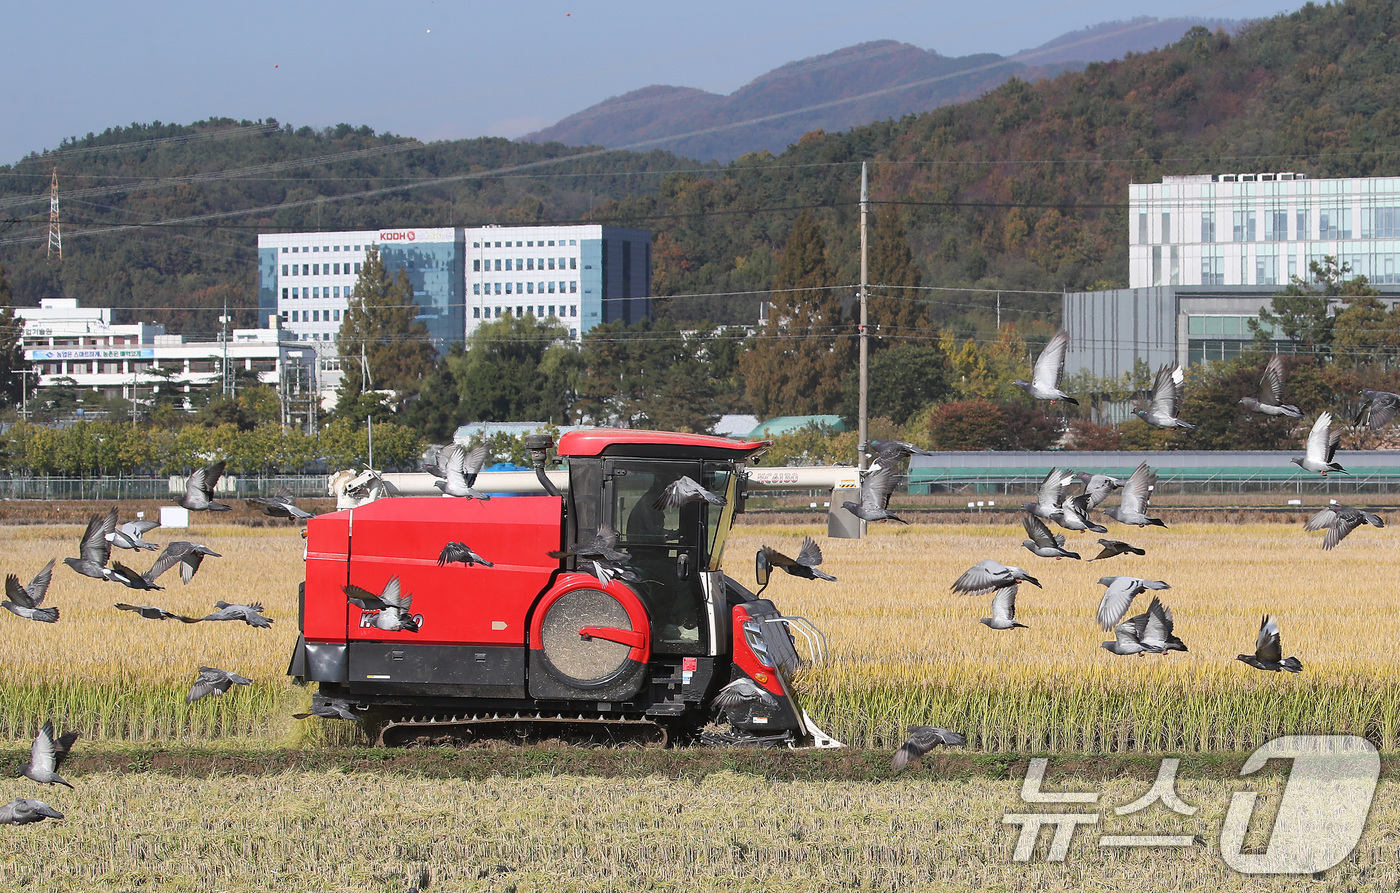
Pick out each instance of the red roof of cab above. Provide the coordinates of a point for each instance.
(635, 442)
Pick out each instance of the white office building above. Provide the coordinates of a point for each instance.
(1261, 229)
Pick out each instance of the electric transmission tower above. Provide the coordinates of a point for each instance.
(55, 234)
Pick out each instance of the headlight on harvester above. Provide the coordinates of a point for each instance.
(753, 637)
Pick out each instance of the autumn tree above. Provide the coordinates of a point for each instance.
(381, 336)
(896, 308)
(1301, 311)
(647, 375)
(801, 352)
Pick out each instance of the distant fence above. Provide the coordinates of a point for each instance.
(148, 487)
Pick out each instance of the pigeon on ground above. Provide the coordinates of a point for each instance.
(153, 613)
(249, 614)
(279, 505)
(369, 485)
(1166, 400)
(95, 548)
(129, 578)
(128, 536)
(1074, 514)
(1004, 610)
(1098, 487)
(804, 565)
(462, 553)
(26, 600)
(740, 691)
(603, 544)
(1132, 505)
(22, 812)
(1042, 542)
(187, 555)
(1268, 652)
(199, 489)
(46, 755)
(683, 491)
(389, 610)
(1321, 447)
(1339, 521)
(459, 467)
(890, 452)
(335, 708)
(1048, 496)
(1116, 547)
(1270, 387)
(1045, 377)
(988, 576)
(923, 739)
(1150, 632)
(876, 484)
(1119, 595)
(1378, 408)
(213, 681)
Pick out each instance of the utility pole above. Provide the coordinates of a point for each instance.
(24, 390)
(864, 322)
(55, 234)
(998, 311)
(223, 323)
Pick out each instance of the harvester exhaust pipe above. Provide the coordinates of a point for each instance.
(538, 446)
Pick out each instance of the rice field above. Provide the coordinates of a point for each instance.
(903, 648)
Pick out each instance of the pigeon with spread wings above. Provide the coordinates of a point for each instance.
(459, 467)
(1167, 392)
(1339, 520)
(1268, 650)
(1045, 377)
(923, 739)
(1270, 390)
(27, 601)
(1321, 448)
(876, 485)
(199, 489)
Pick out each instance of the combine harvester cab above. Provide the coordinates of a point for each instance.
(542, 645)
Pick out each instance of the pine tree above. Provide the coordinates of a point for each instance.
(12, 386)
(381, 332)
(802, 352)
(896, 307)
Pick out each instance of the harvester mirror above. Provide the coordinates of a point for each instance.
(761, 568)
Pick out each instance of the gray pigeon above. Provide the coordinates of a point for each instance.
(22, 812)
(1167, 392)
(249, 614)
(1150, 632)
(389, 610)
(1049, 496)
(1004, 610)
(1321, 447)
(187, 555)
(128, 536)
(213, 681)
(1098, 487)
(1270, 388)
(1132, 505)
(740, 691)
(461, 553)
(923, 739)
(153, 613)
(1074, 514)
(1116, 547)
(988, 576)
(459, 467)
(603, 544)
(876, 484)
(1339, 520)
(129, 578)
(199, 489)
(1378, 408)
(1268, 651)
(279, 505)
(804, 565)
(46, 755)
(683, 491)
(335, 708)
(26, 600)
(1042, 542)
(1126, 639)
(1045, 377)
(890, 452)
(95, 549)
(607, 571)
(1119, 595)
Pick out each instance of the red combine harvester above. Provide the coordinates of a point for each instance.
(538, 645)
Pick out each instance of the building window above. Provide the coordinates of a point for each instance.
(337, 316)
(337, 291)
(1156, 264)
(476, 288)
(507, 288)
(316, 248)
(573, 261)
(498, 265)
(573, 310)
(519, 312)
(315, 316)
(294, 249)
(476, 313)
(541, 312)
(1275, 226)
(1176, 266)
(1381, 223)
(296, 316)
(476, 265)
(1244, 227)
(296, 292)
(530, 287)
(1213, 268)
(551, 262)
(316, 292)
(284, 294)
(551, 309)
(1207, 226)
(1266, 269)
(284, 270)
(573, 287)
(498, 288)
(315, 269)
(508, 261)
(1334, 223)
(573, 242)
(1142, 228)
(529, 263)
(285, 315)
(1166, 226)
(306, 269)
(284, 250)
(357, 266)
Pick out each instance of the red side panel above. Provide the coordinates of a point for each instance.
(327, 551)
(638, 638)
(744, 657)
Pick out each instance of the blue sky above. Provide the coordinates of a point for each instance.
(435, 69)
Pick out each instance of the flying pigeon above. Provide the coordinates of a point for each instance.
(1042, 542)
(989, 576)
(876, 485)
(249, 614)
(1268, 652)
(47, 755)
(199, 489)
(153, 613)
(1098, 486)
(1377, 408)
(22, 812)
(890, 452)
(683, 491)
(1150, 632)
(740, 691)
(1116, 547)
(460, 552)
(459, 467)
(1125, 639)
(335, 708)
(187, 555)
(1166, 400)
(1074, 514)
(603, 544)
(923, 739)
(607, 571)
(1119, 595)
(26, 600)
(805, 565)
(1270, 387)
(95, 548)
(1321, 447)
(129, 578)
(1045, 377)
(128, 536)
(1048, 497)
(213, 681)
(1004, 610)
(389, 610)
(1132, 506)
(279, 505)
(1339, 521)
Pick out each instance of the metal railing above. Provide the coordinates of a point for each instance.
(151, 487)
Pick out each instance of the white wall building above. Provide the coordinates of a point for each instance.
(1260, 229)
